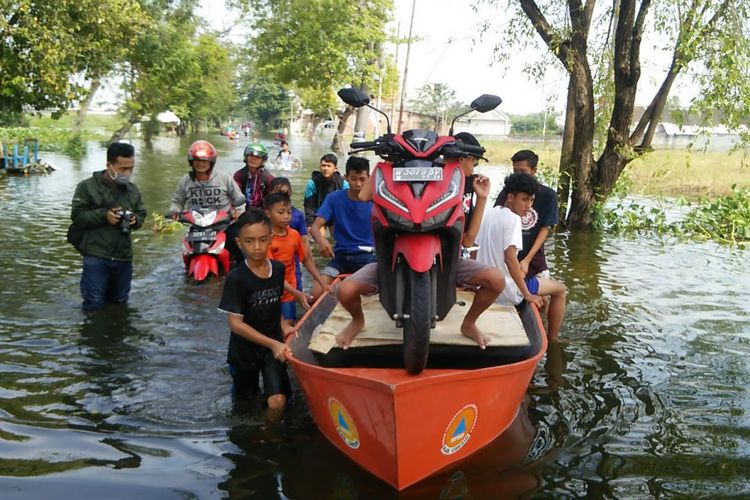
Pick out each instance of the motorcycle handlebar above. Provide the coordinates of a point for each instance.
(363, 144)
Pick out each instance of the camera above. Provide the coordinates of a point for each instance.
(125, 217)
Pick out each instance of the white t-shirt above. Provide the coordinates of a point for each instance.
(500, 229)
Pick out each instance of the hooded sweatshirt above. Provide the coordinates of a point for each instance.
(219, 192)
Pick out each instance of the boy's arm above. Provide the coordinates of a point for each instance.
(365, 194)
(299, 295)
(309, 264)
(325, 246)
(239, 327)
(538, 242)
(481, 185)
(514, 268)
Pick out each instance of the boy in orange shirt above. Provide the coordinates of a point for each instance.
(286, 244)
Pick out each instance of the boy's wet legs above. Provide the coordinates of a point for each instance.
(491, 282)
(350, 296)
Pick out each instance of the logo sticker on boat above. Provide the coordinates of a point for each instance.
(343, 423)
(458, 432)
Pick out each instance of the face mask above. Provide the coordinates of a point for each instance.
(120, 178)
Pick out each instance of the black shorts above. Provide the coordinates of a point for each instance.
(246, 381)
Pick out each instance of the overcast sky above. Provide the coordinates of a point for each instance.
(449, 50)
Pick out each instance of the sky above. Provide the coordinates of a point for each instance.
(449, 50)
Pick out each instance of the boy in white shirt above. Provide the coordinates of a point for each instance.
(500, 239)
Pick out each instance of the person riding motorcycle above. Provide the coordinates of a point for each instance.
(253, 179)
(205, 188)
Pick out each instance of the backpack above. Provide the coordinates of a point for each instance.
(75, 237)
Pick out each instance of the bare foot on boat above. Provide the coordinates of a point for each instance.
(344, 339)
(472, 331)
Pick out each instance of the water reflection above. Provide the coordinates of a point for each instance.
(291, 460)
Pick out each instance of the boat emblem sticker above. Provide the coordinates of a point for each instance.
(459, 430)
(343, 423)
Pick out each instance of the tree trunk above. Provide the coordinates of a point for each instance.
(566, 155)
(314, 122)
(363, 114)
(84, 108)
(133, 118)
(338, 137)
(583, 196)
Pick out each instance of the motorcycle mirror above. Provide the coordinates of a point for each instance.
(485, 102)
(354, 97)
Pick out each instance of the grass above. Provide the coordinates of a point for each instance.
(108, 123)
(668, 172)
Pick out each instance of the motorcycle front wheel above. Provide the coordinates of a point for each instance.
(417, 326)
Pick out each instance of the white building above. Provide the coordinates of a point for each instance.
(491, 125)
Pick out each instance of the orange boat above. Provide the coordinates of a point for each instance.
(400, 427)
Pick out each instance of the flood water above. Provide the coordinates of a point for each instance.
(647, 395)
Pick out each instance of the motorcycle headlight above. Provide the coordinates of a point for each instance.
(204, 220)
(451, 192)
(382, 190)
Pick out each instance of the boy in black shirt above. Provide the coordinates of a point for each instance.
(252, 299)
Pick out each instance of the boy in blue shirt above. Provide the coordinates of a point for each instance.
(352, 228)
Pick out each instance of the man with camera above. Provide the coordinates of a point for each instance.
(106, 208)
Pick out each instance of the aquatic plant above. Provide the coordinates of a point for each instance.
(162, 224)
(725, 219)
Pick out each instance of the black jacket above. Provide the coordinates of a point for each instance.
(317, 190)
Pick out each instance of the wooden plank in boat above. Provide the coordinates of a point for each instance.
(500, 323)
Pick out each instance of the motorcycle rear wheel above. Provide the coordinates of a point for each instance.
(418, 325)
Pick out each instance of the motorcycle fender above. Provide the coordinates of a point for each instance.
(419, 250)
(203, 265)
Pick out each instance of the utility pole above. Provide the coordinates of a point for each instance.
(406, 68)
(393, 98)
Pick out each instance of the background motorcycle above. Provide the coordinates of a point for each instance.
(204, 246)
(418, 222)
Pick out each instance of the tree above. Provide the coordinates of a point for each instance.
(318, 46)
(602, 43)
(261, 98)
(438, 101)
(533, 124)
(174, 66)
(50, 49)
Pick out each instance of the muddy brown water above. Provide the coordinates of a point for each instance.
(647, 396)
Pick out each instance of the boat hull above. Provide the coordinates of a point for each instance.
(403, 428)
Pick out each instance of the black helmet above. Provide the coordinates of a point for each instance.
(470, 140)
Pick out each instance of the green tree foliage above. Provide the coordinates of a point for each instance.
(598, 44)
(261, 98)
(439, 102)
(533, 124)
(49, 48)
(318, 46)
(174, 66)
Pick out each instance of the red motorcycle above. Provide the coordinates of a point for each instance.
(204, 246)
(418, 223)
